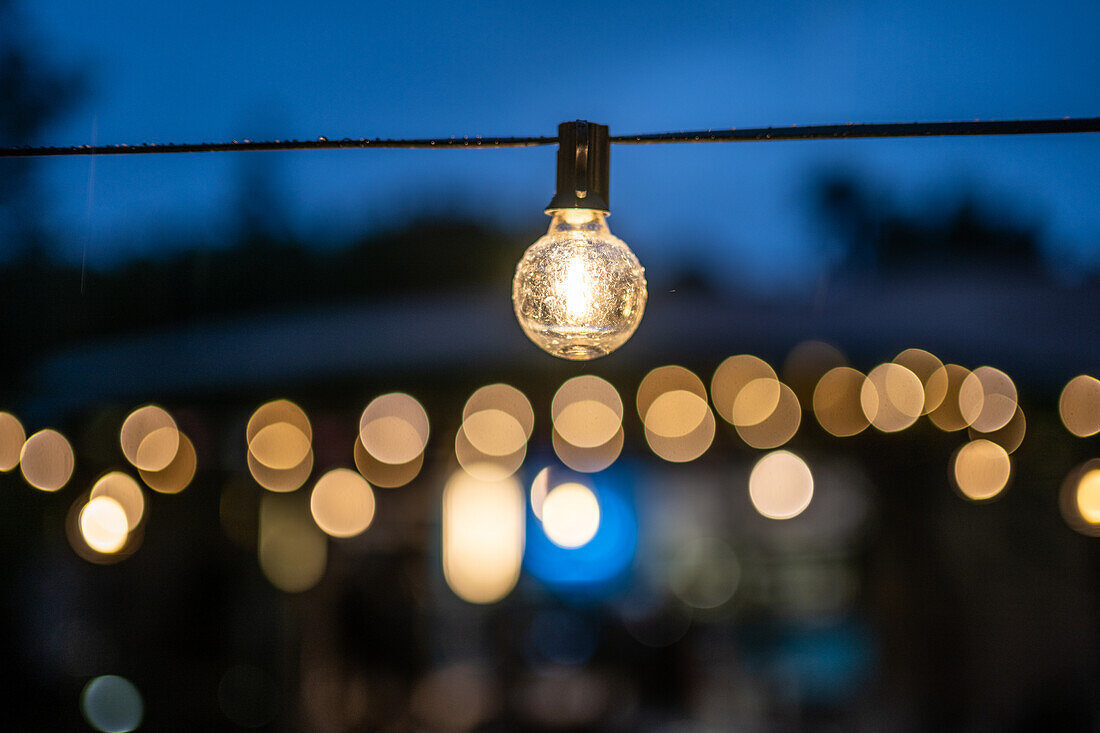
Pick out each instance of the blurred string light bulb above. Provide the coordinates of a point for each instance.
(579, 292)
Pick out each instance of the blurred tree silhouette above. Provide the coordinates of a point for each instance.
(32, 94)
(873, 232)
(267, 268)
(261, 273)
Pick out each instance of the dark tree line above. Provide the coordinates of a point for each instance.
(874, 232)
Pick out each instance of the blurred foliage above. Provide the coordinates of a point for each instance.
(267, 269)
(875, 232)
(50, 303)
(33, 93)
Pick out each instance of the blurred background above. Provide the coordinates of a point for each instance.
(277, 455)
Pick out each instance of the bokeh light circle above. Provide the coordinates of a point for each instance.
(278, 411)
(47, 460)
(685, 448)
(837, 405)
(981, 469)
(384, 475)
(1079, 406)
(97, 535)
(1079, 498)
(587, 411)
(676, 413)
(1088, 497)
(948, 415)
(494, 432)
(280, 445)
(928, 369)
(756, 402)
(394, 428)
(781, 485)
(178, 474)
(342, 503)
(484, 466)
(892, 397)
(671, 401)
(149, 438)
(124, 490)
(12, 437)
(1010, 437)
(704, 573)
(588, 460)
(112, 704)
(731, 376)
(505, 398)
(277, 480)
(570, 515)
(987, 399)
(103, 525)
(391, 439)
(779, 426)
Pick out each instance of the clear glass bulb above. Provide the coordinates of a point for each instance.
(579, 292)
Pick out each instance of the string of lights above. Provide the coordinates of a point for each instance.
(750, 134)
(579, 292)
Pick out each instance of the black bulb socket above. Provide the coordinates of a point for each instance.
(584, 167)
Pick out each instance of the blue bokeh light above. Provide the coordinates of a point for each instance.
(112, 704)
(601, 566)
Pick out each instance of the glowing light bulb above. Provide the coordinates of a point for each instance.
(579, 292)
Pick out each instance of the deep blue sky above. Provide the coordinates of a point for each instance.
(215, 70)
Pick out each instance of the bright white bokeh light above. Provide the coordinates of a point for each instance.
(125, 490)
(781, 485)
(1088, 497)
(570, 515)
(483, 536)
(103, 525)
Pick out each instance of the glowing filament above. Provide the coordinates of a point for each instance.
(574, 290)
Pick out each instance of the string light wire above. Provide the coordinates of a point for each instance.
(751, 134)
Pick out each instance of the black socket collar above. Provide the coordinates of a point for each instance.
(584, 167)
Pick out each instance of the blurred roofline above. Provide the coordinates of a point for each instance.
(1039, 332)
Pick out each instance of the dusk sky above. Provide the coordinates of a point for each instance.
(205, 71)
